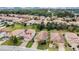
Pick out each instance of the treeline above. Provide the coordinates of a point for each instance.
(58, 26)
(38, 12)
(50, 26)
(63, 14)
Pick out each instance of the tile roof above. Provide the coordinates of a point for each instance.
(26, 34)
(72, 37)
(56, 37)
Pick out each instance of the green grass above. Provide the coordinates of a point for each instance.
(17, 26)
(46, 45)
(42, 46)
(53, 49)
(10, 42)
(68, 49)
(1, 37)
(29, 44)
(20, 26)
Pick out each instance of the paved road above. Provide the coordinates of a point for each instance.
(15, 48)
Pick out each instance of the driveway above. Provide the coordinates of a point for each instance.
(2, 42)
(35, 44)
(61, 46)
(24, 43)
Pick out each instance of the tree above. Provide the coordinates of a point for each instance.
(70, 28)
(14, 39)
(49, 26)
(64, 14)
(41, 26)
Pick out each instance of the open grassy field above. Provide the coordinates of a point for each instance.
(20, 26)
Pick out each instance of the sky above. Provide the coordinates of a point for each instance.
(39, 3)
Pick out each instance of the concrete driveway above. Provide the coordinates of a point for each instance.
(61, 46)
(35, 44)
(2, 42)
(24, 43)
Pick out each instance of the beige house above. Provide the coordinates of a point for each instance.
(56, 37)
(72, 39)
(41, 36)
(26, 34)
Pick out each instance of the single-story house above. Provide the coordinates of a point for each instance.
(4, 35)
(26, 34)
(72, 39)
(56, 37)
(41, 36)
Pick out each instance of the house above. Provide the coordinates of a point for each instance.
(59, 21)
(33, 22)
(4, 35)
(67, 19)
(41, 36)
(42, 17)
(56, 37)
(1, 24)
(74, 23)
(26, 34)
(72, 39)
(77, 19)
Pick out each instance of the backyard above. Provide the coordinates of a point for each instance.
(20, 26)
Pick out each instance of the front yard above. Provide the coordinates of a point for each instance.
(29, 44)
(43, 46)
(54, 47)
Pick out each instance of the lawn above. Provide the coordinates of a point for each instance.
(10, 42)
(68, 49)
(53, 49)
(17, 26)
(45, 44)
(20, 26)
(29, 44)
(42, 46)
